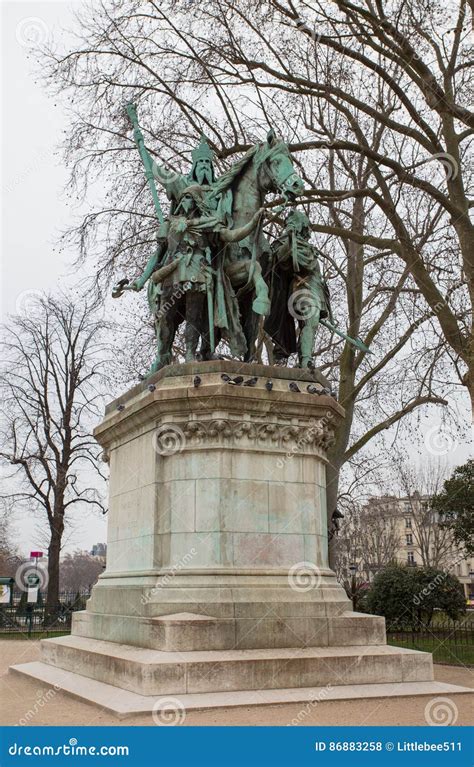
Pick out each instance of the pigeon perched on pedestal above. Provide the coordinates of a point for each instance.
(234, 381)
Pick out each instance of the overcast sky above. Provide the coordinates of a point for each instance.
(34, 212)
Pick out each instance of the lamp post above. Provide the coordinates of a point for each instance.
(353, 569)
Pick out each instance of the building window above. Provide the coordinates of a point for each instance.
(408, 522)
(409, 539)
(411, 558)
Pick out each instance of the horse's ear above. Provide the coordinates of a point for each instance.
(271, 137)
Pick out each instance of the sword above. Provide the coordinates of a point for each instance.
(354, 341)
(146, 159)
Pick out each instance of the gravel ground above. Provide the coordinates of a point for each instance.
(18, 695)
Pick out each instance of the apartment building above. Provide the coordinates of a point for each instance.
(403, 529)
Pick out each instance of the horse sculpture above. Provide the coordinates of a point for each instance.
(240, 192)
(229, 205)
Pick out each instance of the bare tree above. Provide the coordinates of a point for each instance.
(80, 570)
(10, 559)
(229, 67)
(372, 102)
(369, 537)
(53, 361)
(434, 543)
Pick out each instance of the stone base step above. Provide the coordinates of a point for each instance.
(124, 704)
(153, 672)
(186, 631)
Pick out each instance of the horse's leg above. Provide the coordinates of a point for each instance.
(250, 322)
(166, 324)
(261, 302)
(195, 307)
(306, 339)
(205, 351)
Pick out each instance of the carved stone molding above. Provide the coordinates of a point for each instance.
(307, 437)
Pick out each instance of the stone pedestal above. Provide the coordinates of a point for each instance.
(217, 574)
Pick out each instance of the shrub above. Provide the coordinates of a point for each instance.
(408, 596)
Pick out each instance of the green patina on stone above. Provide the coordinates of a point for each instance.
(215, 270)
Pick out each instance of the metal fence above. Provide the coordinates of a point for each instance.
(18, 618)
(449, 641)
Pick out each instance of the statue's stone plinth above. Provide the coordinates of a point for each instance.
(217, 492)
(217, 573)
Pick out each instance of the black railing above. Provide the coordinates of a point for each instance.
(21, 618)
(449, 641)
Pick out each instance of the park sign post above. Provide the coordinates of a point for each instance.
(34, 579)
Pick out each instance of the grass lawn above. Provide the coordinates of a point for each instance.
(33, 635)
(443, 652)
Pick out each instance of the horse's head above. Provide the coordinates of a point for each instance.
(276, 163)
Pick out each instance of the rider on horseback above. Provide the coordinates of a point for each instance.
(298, 292)
(192, 269)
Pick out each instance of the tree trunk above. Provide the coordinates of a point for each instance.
(54, 551)
(332, 489)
